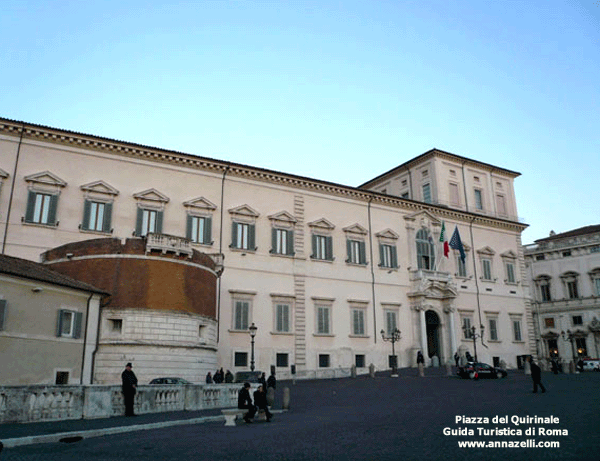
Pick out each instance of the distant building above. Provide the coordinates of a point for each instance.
(48, 325)
(564, 274)
(320, 268)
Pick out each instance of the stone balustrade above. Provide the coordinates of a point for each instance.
(24, 404)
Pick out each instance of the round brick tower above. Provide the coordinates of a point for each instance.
(161, 314)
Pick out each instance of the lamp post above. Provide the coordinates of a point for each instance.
(394, 337)
(473, 332)
(252, 329)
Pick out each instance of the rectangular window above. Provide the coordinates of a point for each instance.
(581, 347)
(241, 315)
(493, 330)
(3, 310)
(478, 199)
(466, 321)
(62, 378)
(597, 285)
(116, 325)
(461, 266)
(391, 321)
(282, 318)
(404, 195)
(566, 253)
(454, 197)
(148, 221)
(324, 361)
(323, 313)
(69, 324)
(427, 193)
(577, 320)
(356, 252)
(487, 269)
(96, 216)
(572, 289)
(358, 322)
(359, 361)
(322, 247)
(517, 330)
(282, 242)
(199, 229)
(510, 273)
(243, 236)
(545, 292)
(388, 256)
(501, 205)
(540, 257)
(240, 359)
(553, 348)
(549, 322)
(41, 208)
(282, 360)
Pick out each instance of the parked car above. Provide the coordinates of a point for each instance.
(170, 380)
(476, 370)
(247, 376)
(591, 365)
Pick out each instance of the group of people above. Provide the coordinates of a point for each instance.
(219, 377)
(260, 402)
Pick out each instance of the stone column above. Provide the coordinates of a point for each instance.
(423, 328)
(453, 348)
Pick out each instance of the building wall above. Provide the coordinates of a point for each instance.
(30, 326)
(243, 193)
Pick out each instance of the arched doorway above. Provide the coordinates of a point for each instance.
(432, 322)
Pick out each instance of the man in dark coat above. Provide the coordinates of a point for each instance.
(245, 402)
(129, 387)
(272, 381)
(536, 375)
(260, 400)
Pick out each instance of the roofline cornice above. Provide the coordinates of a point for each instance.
(79, 140)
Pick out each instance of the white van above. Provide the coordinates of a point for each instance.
(591, 365)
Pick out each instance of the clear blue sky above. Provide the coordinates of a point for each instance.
(339, 91)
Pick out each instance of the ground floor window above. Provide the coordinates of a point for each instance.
(62, 377)
(324, 361)
(393, 361)
(553, 348)
(241, 359)
(282, 360)
(359, 360)
(581, 349)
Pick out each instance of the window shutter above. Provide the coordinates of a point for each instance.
(59, 322)
(87, 205)
(30, 206)
(329, 248)
(159, 222)
(273, 240)
(234, 232)
(381, 255)
(3, 308)
(52, 209)
(106, 225)
(207, 231)
(348, 251)
(362, 253)
(188, 227)
(138, 222)
(251, 237)
(290, 243)
(314, 246)
(394, 257)
(78, 322)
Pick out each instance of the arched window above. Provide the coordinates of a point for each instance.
(425, 250)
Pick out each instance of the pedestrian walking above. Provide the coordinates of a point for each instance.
(209, 378)
(420, 358)
(456, 358)
(129, 388)
(272, 381)
(263, 380)
(536, 375)
(260, 400)
(245, 403)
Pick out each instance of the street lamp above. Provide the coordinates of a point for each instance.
(394, 337)
(252, 328)
(473, 332)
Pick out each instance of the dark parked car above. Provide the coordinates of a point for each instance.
(169, 381)
(476, 370)
(247, 376)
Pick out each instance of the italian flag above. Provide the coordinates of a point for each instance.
(444, 240)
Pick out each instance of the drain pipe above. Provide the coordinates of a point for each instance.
(221, 253)
(12, 189)
(476, 279)
(372, 271)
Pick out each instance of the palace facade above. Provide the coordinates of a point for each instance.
(319, 268)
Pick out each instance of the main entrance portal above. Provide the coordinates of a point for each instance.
(432, 322)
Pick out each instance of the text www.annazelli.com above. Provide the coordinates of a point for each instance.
(529, 443)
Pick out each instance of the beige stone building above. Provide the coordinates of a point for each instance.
(319, 268)
(564, 274)
(48, 325)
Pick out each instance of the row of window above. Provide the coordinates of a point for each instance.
(576, 320)
(568, 253)
(282, 360)
(580, 347)
(283, 315)
(491, 331)
(570, 285)
(68, 323)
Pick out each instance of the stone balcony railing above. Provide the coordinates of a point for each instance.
(23, 404)
(169, 244)
(438, 276)
(564, 304)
